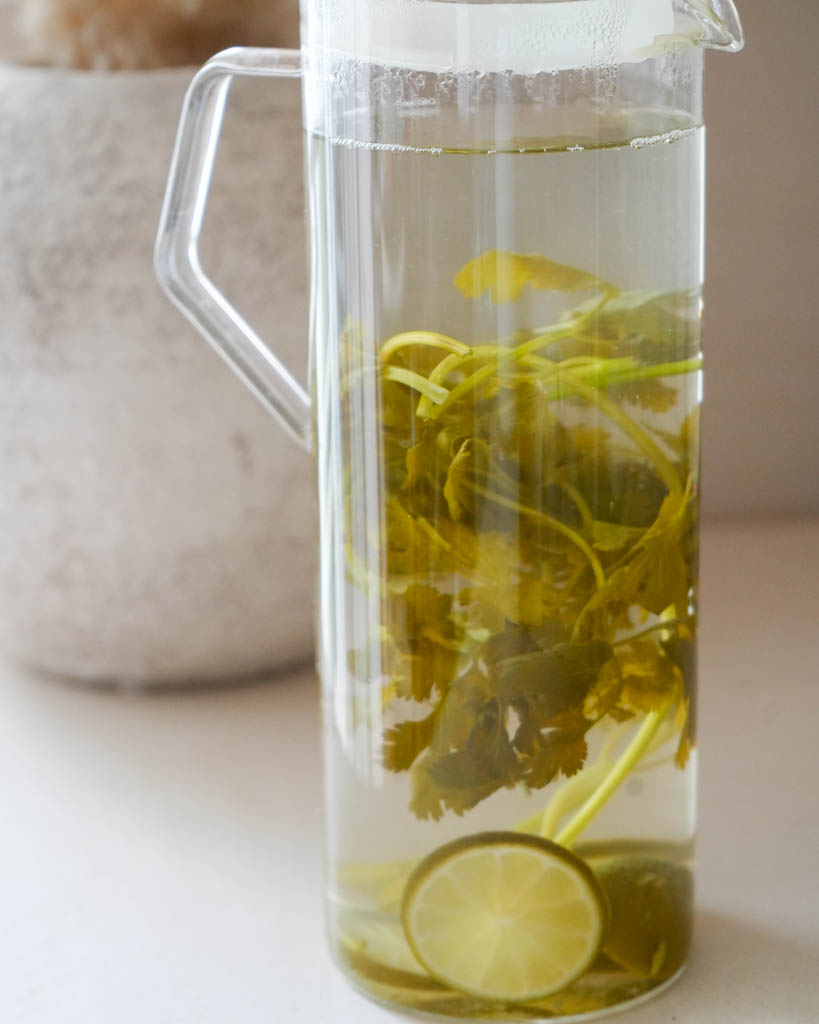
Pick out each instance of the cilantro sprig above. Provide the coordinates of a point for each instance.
(537, 573)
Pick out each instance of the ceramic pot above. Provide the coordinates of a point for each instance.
(155, 525)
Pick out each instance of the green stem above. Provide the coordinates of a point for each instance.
(619, 772)
(554, 524)
(597, 369)
(503, 356)
(677, 369)
(429, 338)
(604, 373)
(665, 468)
(438, 375)
(434, 392)
(574, 791)
(586, 380)
(580, 502)
(511, 355)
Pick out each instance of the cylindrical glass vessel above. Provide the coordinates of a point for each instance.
(506, 222)
(508, 274)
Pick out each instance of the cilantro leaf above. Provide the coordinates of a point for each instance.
(425, 639)
(404, 742)
(613, 536)
(531, 519)
(486, 763)
(506, 274)
(649, 394)
(682, 650)
(649, 675)
(654, 326)
(559, 678)
(475, 470)
(560, 753)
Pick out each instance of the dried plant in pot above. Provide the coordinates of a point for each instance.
(121, 34)
(155, 527)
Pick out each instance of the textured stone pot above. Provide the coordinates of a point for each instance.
(155, 523)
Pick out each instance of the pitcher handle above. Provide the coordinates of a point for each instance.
(177, 248)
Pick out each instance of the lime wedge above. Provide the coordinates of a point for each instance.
(504, 916)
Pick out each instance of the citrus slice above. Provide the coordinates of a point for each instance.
(504, 916)
(650, 903)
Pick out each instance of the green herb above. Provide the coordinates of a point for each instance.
(505, 274)
(536, 574)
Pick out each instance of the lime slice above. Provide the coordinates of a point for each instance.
(651, 903)
(504, 916)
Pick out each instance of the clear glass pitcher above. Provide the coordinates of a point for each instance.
(506, 223)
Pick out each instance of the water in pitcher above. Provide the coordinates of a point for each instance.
(508, 372)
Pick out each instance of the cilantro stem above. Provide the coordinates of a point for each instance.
(554, 524)
(603, 373)
(657, 370)
(439, 375)
(429, 338)
(434, 392)
(594, 367)
(577, 790)
(488, 370)
(580, 502)
(618, 774)
(510, 355)
(665, 468)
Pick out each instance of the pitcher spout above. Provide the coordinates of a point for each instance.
(712, 24)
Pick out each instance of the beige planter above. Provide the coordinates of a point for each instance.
(155, 524)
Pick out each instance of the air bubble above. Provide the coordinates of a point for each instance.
(383, 147)
(661, 140)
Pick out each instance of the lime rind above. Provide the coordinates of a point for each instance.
(504, 917)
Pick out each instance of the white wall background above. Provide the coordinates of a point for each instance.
(762, 320)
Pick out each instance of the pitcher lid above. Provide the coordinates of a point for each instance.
(525, 37)
(451, 36)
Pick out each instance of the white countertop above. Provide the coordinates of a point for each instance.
(160, 856)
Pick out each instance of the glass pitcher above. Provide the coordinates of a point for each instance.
(506, 224)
